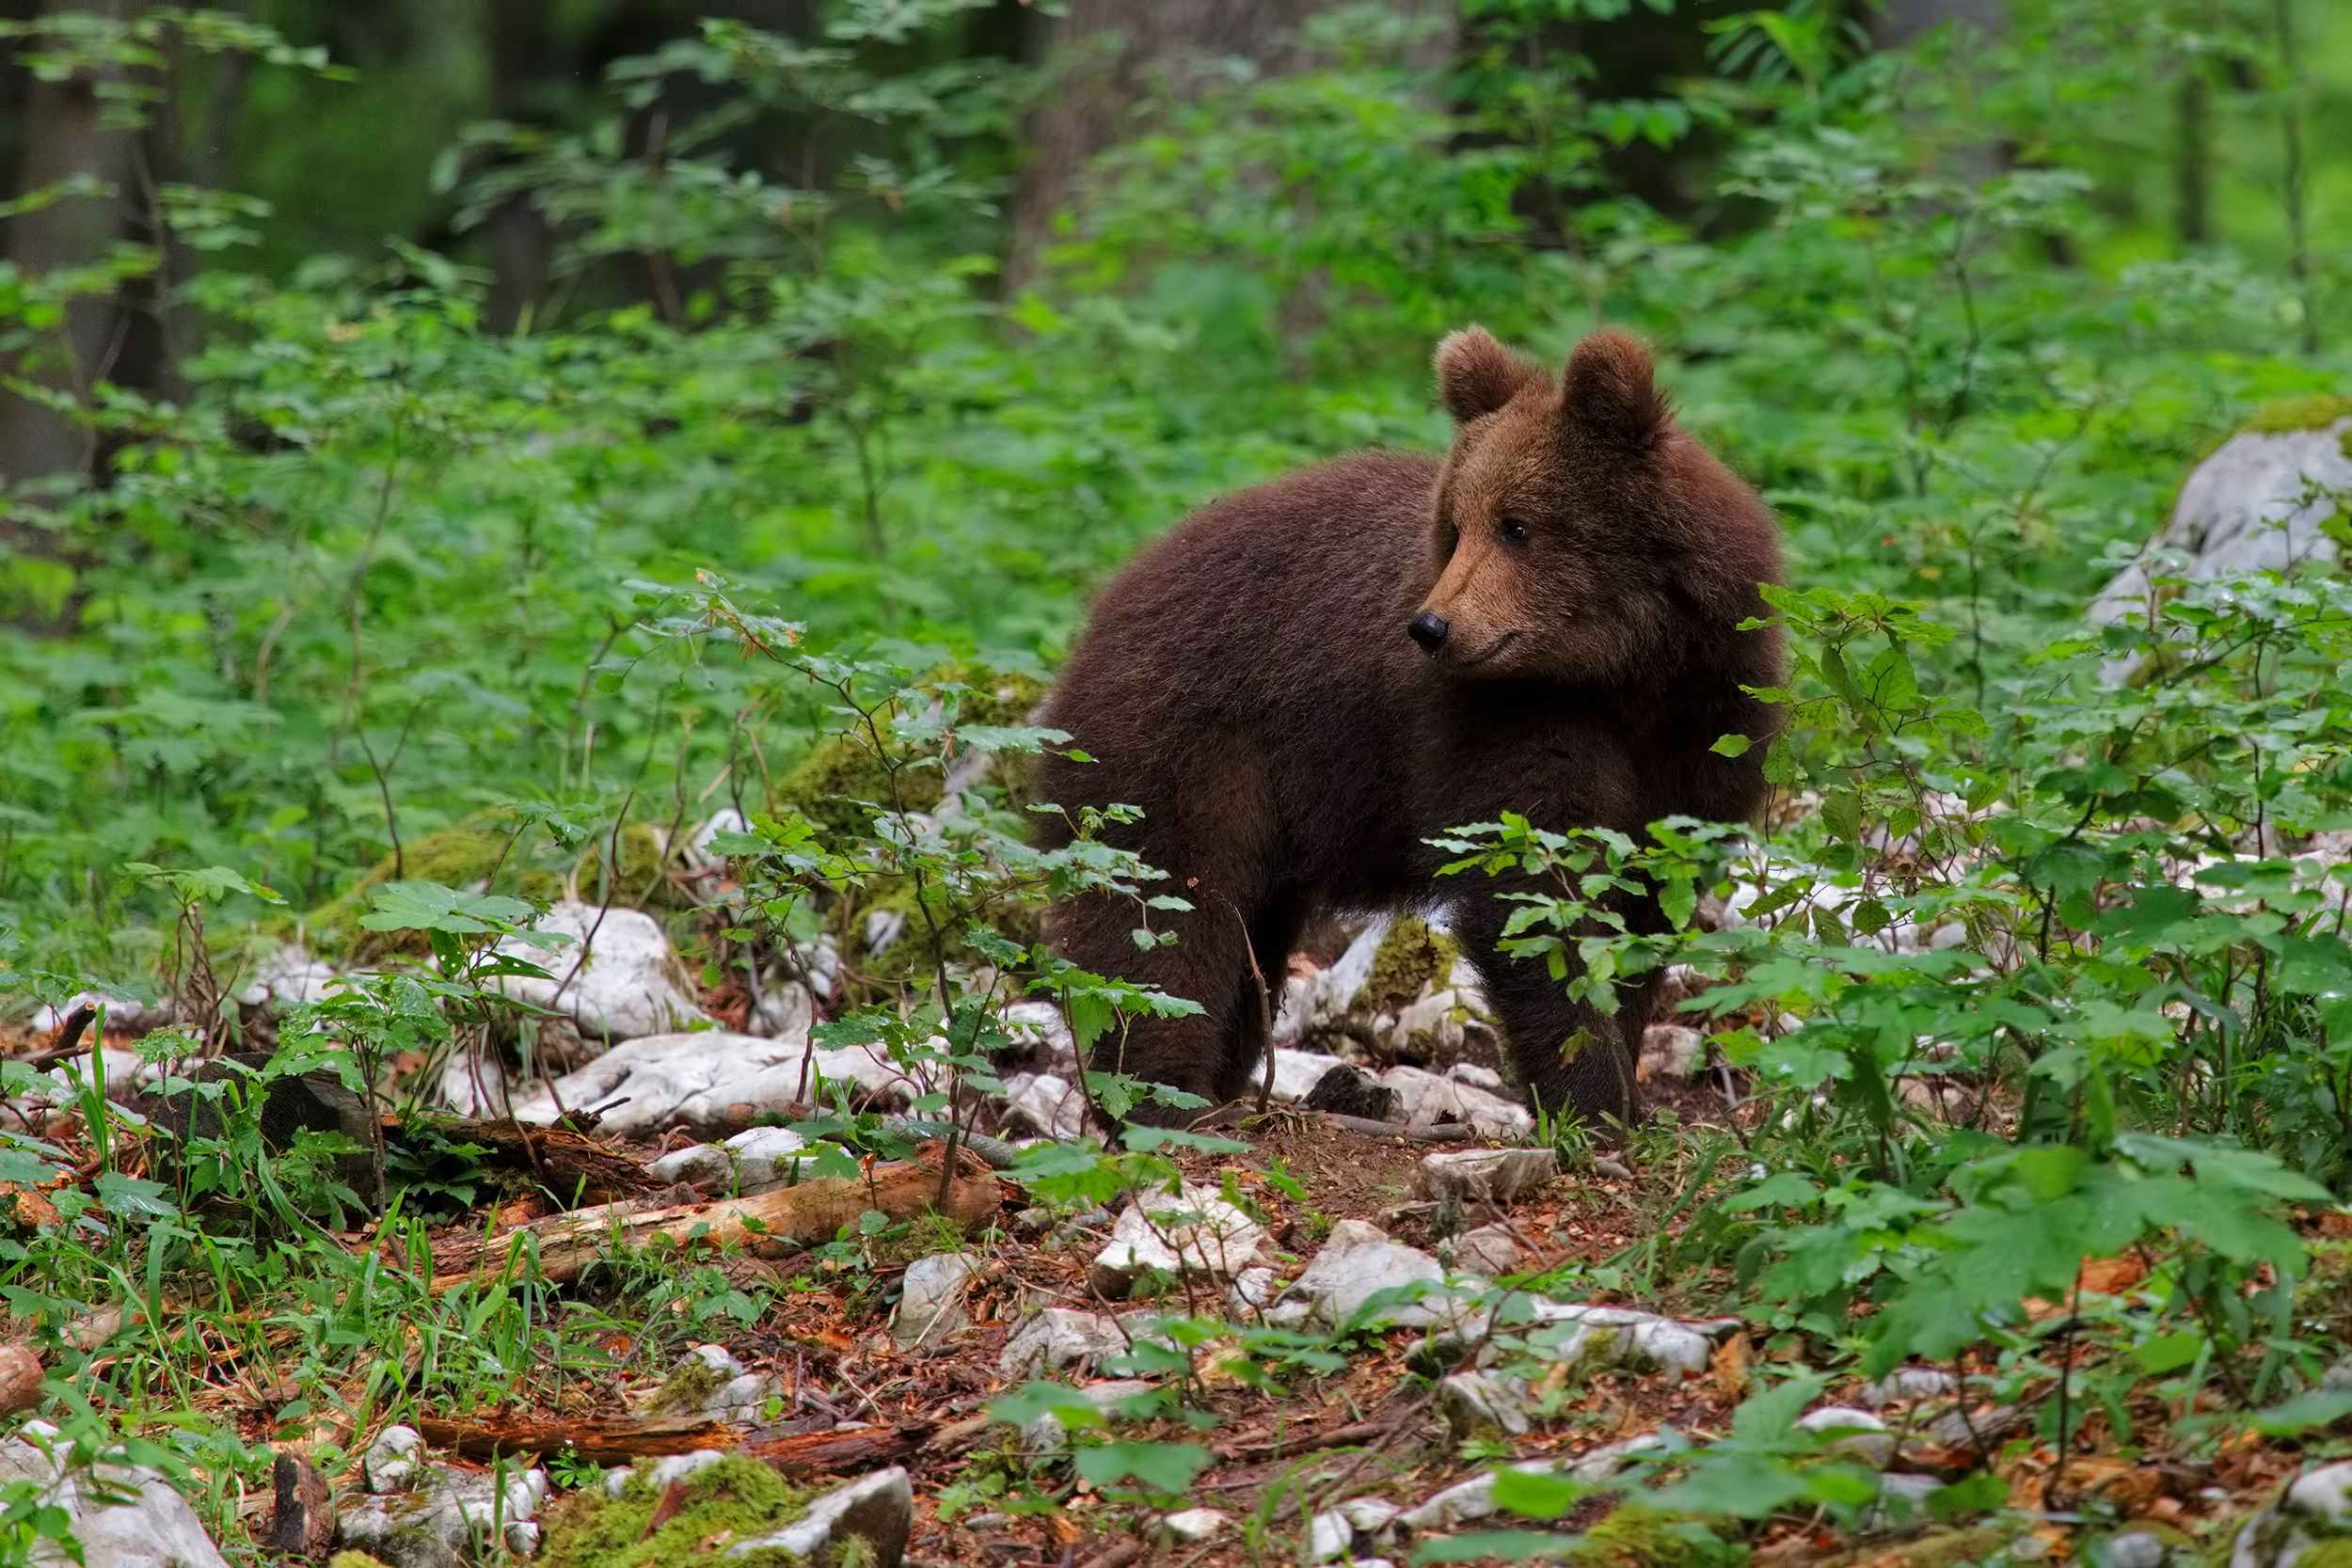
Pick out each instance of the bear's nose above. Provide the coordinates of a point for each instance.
(1428, 628)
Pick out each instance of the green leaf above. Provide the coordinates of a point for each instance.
(1731, 746)
(431, 907)
(1163, 1468)
(2321, 1407)
(1538, 1493)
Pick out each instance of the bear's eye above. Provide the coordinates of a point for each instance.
(1511, 530)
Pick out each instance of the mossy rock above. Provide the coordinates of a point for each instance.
(644, 882)
(1411, 958)
(1943, 1549)
(2292, 416)
(453, 857)
(839, 784)
(735, 1500)
(1631, 1536)
(841, 781)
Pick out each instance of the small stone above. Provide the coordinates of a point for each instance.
(763, 1158)
(1358, 1262)
(1253, 1292)
(878, 1509)
(395, 1460)
(1672, 1051)
(666, 1471)
(930, 1300)
(1059, 1339)
(1854, 1433)
(428, 1527)
(1427, 1099)
(1196, 1527)
(1329, 1535)
(1907, 1383)
(1369, 1516)
(1902, 1501)
(1195, 1232)
(1297, 1072)
(1476, 1074)
(1465, 1502)
(2323, 1493)
(1483, 1404)
(1044, 1106)
(1601, 1463)
(2137, 1548)
(1485, 1175)
(1490, 1250)
(1050, 1434)
(696, 1162)
(1348, 1091)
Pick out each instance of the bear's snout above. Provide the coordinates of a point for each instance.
(1428, 628)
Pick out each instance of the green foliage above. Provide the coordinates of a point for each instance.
(2035, 961)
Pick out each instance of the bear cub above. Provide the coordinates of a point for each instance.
(1302, 683)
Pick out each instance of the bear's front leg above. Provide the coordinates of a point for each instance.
(1573, 1059)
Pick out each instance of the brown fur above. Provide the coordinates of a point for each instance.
(1249, 681)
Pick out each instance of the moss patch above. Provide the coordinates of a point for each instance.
(839, 784)
(736, 1499)
(453, 857)
(2288, 416)
(1631, 1536)
(1411, 958)
(642, 882)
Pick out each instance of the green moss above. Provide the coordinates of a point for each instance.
(689, 1388)
(1946, 1548)
(733, 1501)
(2287, 415)
(1631, 1536)
(353, 1560)
(643, 882)
(2332, 1552)
(453, 857)
(839, 784)
(1408, 959)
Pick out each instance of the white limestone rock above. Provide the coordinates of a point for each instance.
(2259, 502)
(1060, 1338)
(930, 1300)
(1851, 1434)
(711, 1079)
(155, 1528)
(1672, 1051)
(1485, 1175)
(1044, 1106)
(1197, 1527)
(617, 979)
(450, 1509)
(1427, 1098)
(1193, 1234)
(395, 1460)
(1358, 1262)
(876, 1509)
(1050, 1434)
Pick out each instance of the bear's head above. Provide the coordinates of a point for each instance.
(1579, 536)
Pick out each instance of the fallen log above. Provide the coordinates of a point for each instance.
(811, 1211)
(837, 1452)
(567, 1164)
(603, 1440)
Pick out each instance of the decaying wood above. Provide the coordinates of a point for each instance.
(302, 1523)
(837, 1452)
(570, 1165)
(1306, 1442)
(20, 1378)
(1440, 1132)
(811, 1211)
(618, 1440)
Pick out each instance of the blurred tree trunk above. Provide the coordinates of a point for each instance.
(1104, 54)
(1902, 22)
(523, 50)
(64, 141)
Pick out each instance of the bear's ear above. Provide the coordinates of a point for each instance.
(1608, 392)
(1477, 375)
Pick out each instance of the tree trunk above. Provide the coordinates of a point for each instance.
(64, 141)
(1106, 55)
(1902, 22)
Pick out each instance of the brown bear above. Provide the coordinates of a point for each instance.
(1304, 682)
